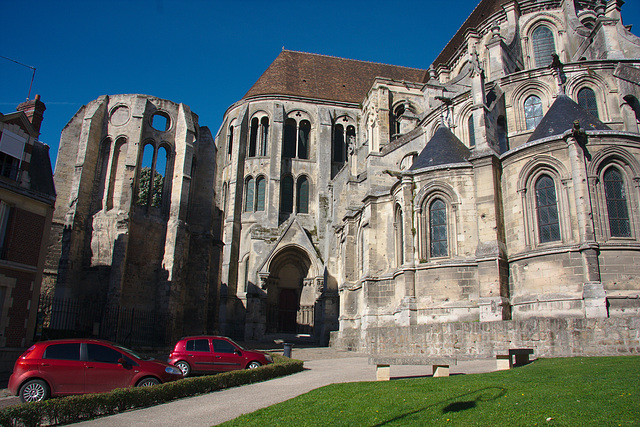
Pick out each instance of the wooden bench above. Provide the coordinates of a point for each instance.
(504, 361)
(383, 364)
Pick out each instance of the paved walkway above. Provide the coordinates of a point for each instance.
(323, 366)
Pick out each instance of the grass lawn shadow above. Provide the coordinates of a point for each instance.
(456, 404)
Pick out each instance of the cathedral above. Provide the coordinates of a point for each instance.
(490, 199)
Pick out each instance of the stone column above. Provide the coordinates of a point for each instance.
(490, 252)
(594, 295)
(408, 314)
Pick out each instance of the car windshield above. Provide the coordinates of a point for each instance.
(133, 353)
(236, 344)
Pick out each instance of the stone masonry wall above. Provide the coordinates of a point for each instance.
(547, 337)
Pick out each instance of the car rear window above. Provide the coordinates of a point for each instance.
(100, 353)
(70, 351)
(222, 346)
(198, 345)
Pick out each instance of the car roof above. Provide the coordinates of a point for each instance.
(204, 336)
(74, 340)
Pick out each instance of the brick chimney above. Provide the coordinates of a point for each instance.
(34, 109)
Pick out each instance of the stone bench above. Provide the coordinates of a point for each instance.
(383, 364)
(505, 361)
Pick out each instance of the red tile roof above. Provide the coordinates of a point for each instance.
(327, 77)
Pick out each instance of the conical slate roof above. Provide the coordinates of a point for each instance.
(442, 149)
(327, 77)
(560, 117)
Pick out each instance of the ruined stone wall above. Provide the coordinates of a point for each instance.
(110, 245)
(548, 337)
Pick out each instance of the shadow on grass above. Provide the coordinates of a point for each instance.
(456, 404)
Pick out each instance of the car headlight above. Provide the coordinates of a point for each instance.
(269, 358)
(172, 370)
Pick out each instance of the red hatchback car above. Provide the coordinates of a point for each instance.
(210, 354)
(75, 366)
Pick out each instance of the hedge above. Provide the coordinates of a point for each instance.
(87, 406)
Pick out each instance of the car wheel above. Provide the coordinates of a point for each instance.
(184, 367)
(254, 365)
(34, 391)
(147, 382)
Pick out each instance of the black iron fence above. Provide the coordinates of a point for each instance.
(70, 318)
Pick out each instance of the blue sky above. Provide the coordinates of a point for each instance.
(206, 54)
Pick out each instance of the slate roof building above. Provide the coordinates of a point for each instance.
(488, 200)
(27, 199)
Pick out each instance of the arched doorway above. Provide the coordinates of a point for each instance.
(290, 303)
(287, 311)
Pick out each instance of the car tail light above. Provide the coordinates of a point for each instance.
(27, 352)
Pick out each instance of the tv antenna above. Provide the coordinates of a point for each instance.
(33, 75)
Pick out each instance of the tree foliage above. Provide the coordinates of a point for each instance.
(143, 192)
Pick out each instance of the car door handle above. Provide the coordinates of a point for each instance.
(89, 367)
(46, 365)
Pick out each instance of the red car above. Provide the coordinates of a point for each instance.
(75, 366)
(209, 354)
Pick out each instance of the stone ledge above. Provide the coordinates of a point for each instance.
(410, 360)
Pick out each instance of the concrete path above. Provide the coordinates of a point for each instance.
(323, 366)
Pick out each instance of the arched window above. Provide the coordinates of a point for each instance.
(533, 111)
(261, 187)
(399, 231)
(303, 139)
(264, 135)
(438, 228)
(587, 100)
(397, 123)
(286, 194)
(289, 138)
(543, 46)
(248, 194)
(302, 192)
(103, 171)
(253, 137)
(259, 137)
(152, 172)
(472, 132)
(547, 210)
(616, 203)
(230, 142)
(339, 146)
(296, 139)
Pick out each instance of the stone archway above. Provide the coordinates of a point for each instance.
(290, 301)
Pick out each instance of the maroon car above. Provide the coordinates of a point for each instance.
(75, 366)
(209, 354)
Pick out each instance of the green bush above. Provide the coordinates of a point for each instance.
(87, 406)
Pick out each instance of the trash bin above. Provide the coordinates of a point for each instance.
(287, 349)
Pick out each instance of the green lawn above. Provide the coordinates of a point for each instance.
(596, 391)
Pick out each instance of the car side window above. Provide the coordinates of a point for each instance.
(198, 345)
(222, 346)
(70, 351)
(100, 353)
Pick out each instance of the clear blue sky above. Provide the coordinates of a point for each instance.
(206, 54)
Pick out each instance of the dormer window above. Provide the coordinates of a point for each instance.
(11, 149)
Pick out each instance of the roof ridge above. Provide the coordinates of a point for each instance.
(354, 60)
